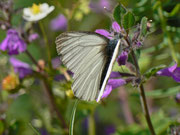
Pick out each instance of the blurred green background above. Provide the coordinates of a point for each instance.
(28, 111)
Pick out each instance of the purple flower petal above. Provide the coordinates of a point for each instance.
(172, 68)
(59, 23)
(172, 71)
(112, 84)
(115, 83)
(167, 71)
(56, 62)
(23, 69)
(115, 75)
(33, 37)
(110, 130)
(59, 77)
(107, 91)
(176, 74)
(13, 44)
(138, 44)
(103, 32)
(116, 27)
(3, 45)
(122, 59)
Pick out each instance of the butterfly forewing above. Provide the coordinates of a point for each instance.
(84, 53)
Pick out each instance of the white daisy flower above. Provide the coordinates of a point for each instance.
(37, 12)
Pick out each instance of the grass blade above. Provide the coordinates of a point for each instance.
(73, 117)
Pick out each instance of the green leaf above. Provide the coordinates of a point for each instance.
(118, 13)
(175, 10)
(128, 20)
(73, 117)
(153, 71)
(21, 109)
(161, 93)
(143, 26)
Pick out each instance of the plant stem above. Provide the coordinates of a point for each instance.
(163, 25)
(53, 104)
(46, 43)
(32, 59)
(142, 96)
(91, 124)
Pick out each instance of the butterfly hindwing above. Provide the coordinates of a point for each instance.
(84, 53)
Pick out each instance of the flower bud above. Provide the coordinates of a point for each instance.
(10, 82)
(69, 93)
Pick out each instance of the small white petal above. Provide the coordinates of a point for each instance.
(44, 8)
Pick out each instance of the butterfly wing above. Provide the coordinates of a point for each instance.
(84, 53)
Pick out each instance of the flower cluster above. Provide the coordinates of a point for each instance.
(122, 59)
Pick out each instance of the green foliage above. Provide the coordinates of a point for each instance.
(152, 71)
(128, 20)
(143, 26)
(30, 110)
(21, 109)
(119, 11)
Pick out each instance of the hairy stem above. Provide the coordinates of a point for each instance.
(142, 96)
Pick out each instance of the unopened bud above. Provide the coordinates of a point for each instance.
(69, 93)
(10, 82)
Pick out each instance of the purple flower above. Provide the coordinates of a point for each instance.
(115, 27)
(99, 6)
(56, 62)
(172, 71)
(104, 33)
(122, 59)
(59, 23)
(139, 44)
(112, 84)
(23, 69)
(33, 37)
(115, 74)
(13, 44)
(110, 130)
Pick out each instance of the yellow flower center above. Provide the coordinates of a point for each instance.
(35, 9)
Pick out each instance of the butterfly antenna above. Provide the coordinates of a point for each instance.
(109, 13)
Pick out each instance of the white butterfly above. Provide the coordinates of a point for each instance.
(90, 56)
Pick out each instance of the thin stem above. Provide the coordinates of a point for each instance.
(142, 96)
(47, 44)
(52, 102)
(164, 24)
(91, 124)
(32, 59)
